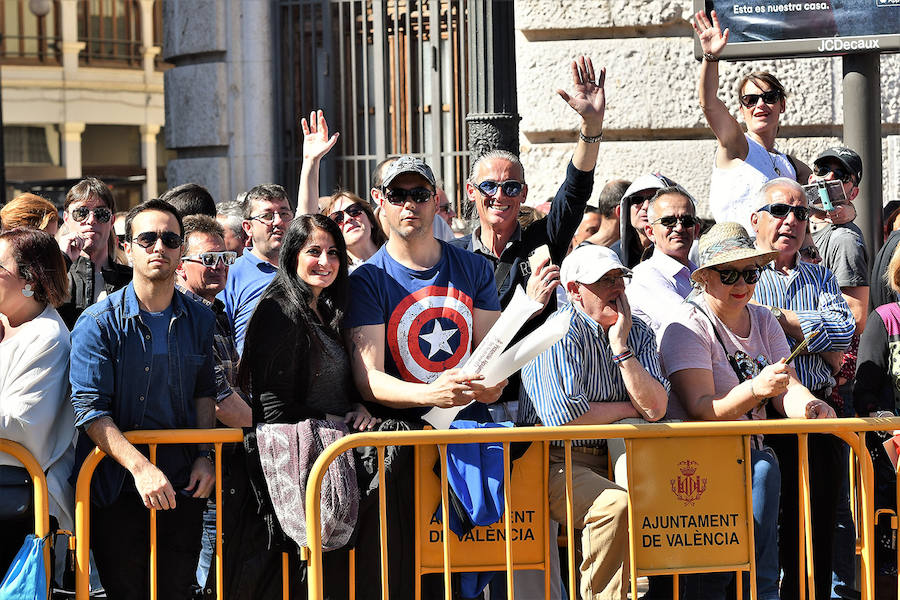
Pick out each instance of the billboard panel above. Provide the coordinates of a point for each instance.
(783, 28)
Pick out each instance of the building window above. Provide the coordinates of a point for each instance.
(111, 30)
(31, 145)
(27, 39)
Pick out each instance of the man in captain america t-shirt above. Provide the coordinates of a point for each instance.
(418, 307)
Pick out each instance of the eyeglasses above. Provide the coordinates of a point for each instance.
(101, 214)
(731, 276)
(354, 210)
(399, 196)
(809, 252)
(751, 100)
(211, 259)
(267, 218)
(687, 221)
(147, 239)
(839, 173)
(636, 199)
(611, 280)
(444, 208)
(511, 188)
(780, 211)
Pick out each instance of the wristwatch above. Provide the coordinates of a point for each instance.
(776, 312)
(210, 455)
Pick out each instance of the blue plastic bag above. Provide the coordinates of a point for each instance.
(27, 577)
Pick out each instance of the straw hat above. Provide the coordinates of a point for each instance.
(725, 243)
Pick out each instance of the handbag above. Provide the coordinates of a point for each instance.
(27, 577)
(15, 492)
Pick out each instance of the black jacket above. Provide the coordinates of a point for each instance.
(81, 286)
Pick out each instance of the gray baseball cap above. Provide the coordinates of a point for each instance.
(407, 164)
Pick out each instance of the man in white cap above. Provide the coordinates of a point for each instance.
(605, 369)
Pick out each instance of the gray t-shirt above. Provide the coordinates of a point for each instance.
(688, 342)
(844, 252)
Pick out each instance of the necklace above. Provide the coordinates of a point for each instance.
(772, 154)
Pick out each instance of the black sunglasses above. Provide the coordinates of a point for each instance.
(751, 100)
(780, 211)
(147, 239)
(731, 276)
(511, 188)
(101, 214)
(839, 173)
(398, 196)
(687, 221)
(354, 210)
(211, 259)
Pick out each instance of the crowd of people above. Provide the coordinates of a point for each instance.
(361, 312)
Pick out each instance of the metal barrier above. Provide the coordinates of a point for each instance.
(851, 431)
(151, 439)
(41, 497)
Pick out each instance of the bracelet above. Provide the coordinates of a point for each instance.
(620, 358)
(708, 57)
(590, 139)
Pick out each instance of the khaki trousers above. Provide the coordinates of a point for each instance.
(600, 510)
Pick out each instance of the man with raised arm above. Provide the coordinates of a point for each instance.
(142, 358)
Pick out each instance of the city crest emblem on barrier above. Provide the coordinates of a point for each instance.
(688, 487)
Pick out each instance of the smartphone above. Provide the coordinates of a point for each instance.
(825, 195)
(540, 254)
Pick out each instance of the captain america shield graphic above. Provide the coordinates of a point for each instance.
(429, 332)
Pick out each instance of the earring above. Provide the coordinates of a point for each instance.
(27, 291)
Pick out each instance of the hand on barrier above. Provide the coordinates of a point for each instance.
(772, 380)
(359, 419)
(153, 487)
(543, 282)
(817, 409)
(203, 477)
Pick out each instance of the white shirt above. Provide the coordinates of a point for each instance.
(658, 285)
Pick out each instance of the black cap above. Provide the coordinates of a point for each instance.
(847, 157)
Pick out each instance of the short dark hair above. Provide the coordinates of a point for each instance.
(265, 191)
(90, 186)
(611, 195)
(40, 264)
(200, 224)
(378, 172)
(154, 204)
(191, 199)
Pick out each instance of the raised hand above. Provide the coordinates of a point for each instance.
(712, 38)
(316, 142)
(588, 98)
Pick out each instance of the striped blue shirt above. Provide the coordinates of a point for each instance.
(559, 384)
(813, 293)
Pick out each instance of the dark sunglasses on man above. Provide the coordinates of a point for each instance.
(399, 196)
(770, 97)
(147, 239)
(731, 276)
(511, 188)
(839, 173)
(780, 211)
(354, 210)
(687, 221)
(101, 214)
(211, 259)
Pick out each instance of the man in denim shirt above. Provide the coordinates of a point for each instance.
(142, 359)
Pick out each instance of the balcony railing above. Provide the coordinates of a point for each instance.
(28, 39)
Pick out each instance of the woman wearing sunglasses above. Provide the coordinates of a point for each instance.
(294, 368)
(744, 161)
(356, 220)
(725, 360)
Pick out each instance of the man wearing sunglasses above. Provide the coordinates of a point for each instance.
(664, 280)
(202, 275)
(89, 214)
(267, 214)
(142, 358)
(805, 298)
(633, 242)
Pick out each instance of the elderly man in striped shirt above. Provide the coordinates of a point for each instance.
(805, 298)
(605, 369)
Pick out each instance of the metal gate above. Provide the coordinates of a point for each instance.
(391, 76)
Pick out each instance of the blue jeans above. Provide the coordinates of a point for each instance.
(208, 547)
(766, 496)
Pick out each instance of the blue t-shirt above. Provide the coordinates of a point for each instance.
(159, 405)
(428, 315)
(248, 277)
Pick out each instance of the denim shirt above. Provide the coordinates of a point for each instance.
(111, 370)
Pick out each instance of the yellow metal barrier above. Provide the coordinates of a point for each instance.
(40, 495)
(851, 431)
(151, 439)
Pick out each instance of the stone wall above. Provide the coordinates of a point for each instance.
(653, 120)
